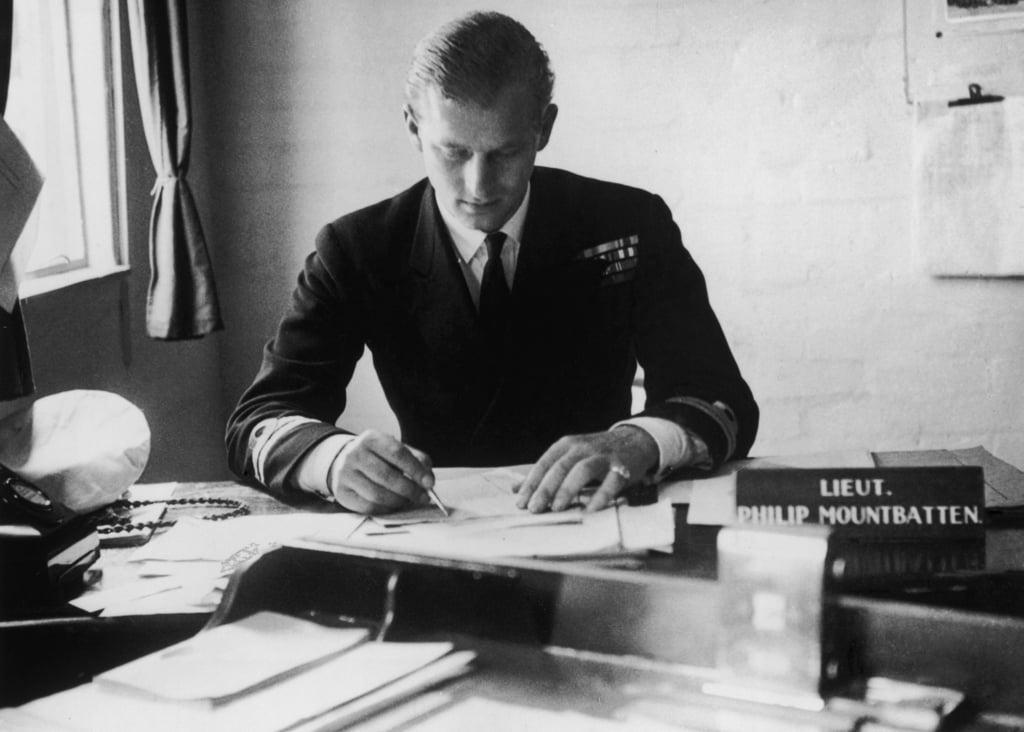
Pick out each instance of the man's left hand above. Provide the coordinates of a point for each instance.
(610, 460)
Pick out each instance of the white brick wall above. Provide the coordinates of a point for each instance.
(777, 130)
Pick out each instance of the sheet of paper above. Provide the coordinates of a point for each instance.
(378, 525)
(481, 713)
(968, 187)
(397, 716)
(294, 700)
(486, 523)
(386, 705)
(176, 595)
(14, 718)
(222, 541)
(181, 570)
(647, 527)
(528, 535)
(20, 183)
(96, 600)
(232, 659)
(467, 494)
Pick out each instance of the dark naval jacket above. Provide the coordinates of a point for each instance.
(602, 282)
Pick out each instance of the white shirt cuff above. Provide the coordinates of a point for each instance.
(311, 474)
(677, 446)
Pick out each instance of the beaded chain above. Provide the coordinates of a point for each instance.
(117, 524)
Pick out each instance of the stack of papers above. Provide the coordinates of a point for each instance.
(264, 673)
(485, 523)
(185, 569)
(231, 660)
(481, 713)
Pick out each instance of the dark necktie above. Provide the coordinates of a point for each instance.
(494, 294)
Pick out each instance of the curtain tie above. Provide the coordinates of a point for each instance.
(161, 180)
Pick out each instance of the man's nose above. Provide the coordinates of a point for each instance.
(478, 177)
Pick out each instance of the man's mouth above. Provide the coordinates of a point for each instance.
(480, 205)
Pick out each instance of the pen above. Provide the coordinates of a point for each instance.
(434, 498)
(437, 501)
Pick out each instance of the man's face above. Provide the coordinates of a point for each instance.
(479, 159)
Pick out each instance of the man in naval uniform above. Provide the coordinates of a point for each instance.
(506, 307)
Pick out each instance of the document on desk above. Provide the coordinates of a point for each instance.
(343, 682)
(220, 541)
(229, 660)
(481, 713)
(485, 523)
(489, 493)
(184, 569)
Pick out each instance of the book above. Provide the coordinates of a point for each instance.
(345, 687)
(230, 660)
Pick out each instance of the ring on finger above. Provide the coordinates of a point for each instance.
(620, 470)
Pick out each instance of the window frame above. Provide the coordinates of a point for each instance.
(106, 253)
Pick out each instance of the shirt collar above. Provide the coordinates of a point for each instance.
(468, 240)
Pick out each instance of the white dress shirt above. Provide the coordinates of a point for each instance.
(469, 246)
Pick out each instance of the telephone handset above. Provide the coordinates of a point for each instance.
(45, 548)
(22, 502)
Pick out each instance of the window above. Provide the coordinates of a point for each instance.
(64, 105)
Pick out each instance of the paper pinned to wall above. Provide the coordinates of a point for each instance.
(969, 188)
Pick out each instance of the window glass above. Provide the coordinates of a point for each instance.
(63, 106)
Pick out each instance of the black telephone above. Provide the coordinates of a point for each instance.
(45, 548)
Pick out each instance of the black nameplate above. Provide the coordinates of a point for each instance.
(870, 502)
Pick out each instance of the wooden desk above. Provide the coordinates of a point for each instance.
(968, 649)
(259, 502)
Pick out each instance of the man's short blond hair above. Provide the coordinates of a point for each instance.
(474, 57)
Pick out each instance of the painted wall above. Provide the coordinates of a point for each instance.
(777, 130)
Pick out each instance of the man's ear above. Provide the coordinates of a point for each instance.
(412, 127)
(547, 121)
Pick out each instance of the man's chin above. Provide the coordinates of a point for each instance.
(488, 220)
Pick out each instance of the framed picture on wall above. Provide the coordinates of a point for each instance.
(952, 44)
(985, 14)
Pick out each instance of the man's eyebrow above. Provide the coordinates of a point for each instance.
(511, 146)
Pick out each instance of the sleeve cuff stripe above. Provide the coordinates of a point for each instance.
(720, 417)
(266, 435)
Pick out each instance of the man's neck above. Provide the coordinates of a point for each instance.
(467, 240)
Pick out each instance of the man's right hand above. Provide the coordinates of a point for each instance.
(376, 473)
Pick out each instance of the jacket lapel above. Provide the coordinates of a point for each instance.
(441, 304)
